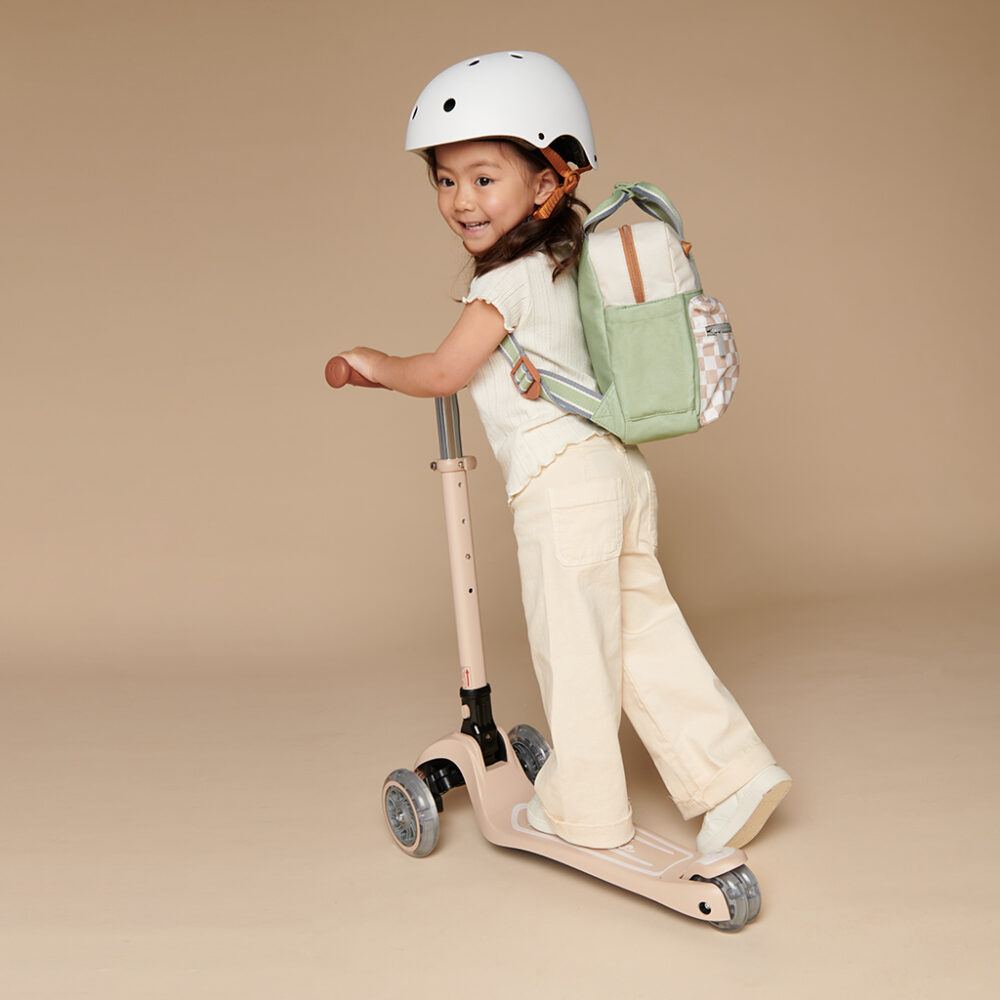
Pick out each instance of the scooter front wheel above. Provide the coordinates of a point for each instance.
(410, 813)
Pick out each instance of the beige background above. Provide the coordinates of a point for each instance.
(225, 609)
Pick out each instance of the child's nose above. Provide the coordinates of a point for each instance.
(464, 196)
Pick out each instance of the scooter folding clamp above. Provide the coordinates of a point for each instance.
(465, 464)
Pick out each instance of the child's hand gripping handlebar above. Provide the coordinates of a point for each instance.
(339, 373)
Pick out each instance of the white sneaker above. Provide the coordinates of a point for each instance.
(737, 820)
(537, 817)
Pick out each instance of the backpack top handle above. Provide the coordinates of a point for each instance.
(648, 197)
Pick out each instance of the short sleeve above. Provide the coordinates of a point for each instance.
(507, 289)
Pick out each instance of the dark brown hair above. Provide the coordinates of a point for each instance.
(560, 236)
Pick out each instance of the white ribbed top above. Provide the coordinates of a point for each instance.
(526, 435)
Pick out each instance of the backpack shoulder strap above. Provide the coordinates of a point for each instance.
(533, 382)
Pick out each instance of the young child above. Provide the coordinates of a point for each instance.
(500, 134)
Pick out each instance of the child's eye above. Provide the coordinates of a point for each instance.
(483, 181)
(445, 182)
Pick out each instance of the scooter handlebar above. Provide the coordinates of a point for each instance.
(339, 373)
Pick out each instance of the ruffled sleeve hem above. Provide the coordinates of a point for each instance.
(506, 289)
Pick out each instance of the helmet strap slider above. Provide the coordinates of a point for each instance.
(570, 178)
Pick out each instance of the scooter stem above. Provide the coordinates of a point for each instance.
(477, 711)
(449, 426)
(453, 466)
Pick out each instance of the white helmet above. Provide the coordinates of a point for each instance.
(521, 95)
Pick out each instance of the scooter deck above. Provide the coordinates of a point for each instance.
(648, 865)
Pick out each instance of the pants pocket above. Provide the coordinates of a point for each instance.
(586, 522)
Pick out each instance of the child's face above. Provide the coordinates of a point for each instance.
(485, 189)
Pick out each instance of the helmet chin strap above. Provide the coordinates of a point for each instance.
(570, 178)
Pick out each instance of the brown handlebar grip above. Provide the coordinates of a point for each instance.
(339, 373)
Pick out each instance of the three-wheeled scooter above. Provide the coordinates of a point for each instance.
(499, 768)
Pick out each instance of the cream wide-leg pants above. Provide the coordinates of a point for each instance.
(606, 634)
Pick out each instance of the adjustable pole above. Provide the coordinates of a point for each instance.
(477, 712)
(453, 466)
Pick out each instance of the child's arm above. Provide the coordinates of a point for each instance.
(472, 340)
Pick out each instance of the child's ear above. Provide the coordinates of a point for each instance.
(546, 182)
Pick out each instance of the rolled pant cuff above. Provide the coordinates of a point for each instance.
(602, 837)
(730, 779)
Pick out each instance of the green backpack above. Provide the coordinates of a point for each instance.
(663, 352)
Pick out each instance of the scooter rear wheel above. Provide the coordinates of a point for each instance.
(410, 813)
(742, 892)
(752, 886)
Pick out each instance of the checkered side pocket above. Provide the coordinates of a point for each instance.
(718, 360)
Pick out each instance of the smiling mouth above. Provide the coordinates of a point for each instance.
(473, 227)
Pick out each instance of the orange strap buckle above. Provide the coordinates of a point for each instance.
(570, 178)
(524, 373)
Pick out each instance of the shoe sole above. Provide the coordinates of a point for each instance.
(538, 820)
(760, 815)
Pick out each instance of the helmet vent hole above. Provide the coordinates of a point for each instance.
(475, 62)
(541, 135)
(416, 108)
(514, 55)
(449, 105)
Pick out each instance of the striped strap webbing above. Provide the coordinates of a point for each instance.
(565, 393)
